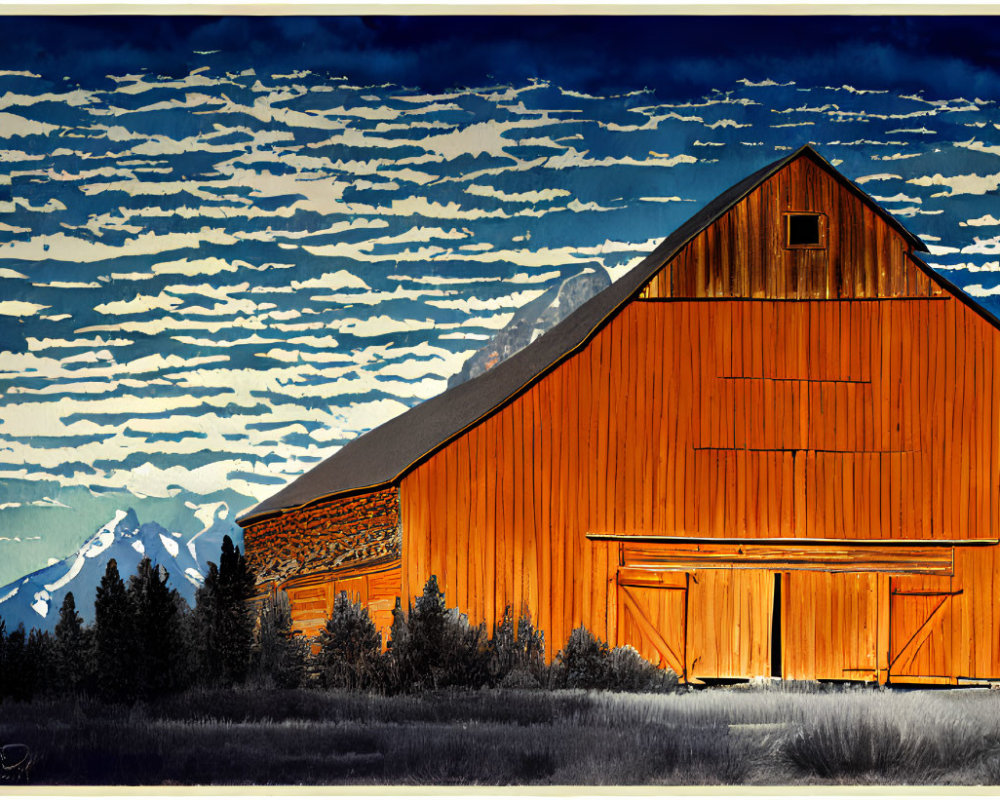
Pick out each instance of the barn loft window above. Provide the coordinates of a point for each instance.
(805, 230)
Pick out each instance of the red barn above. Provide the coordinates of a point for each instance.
(770, 449)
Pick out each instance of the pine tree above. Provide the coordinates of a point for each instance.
(396, 666)
(72, 647)
(517, 653)
(114, 651)
(279, 655)
(208, 662)
(427, 624)
(17, 677)
(40, 663)
(158, 643)
(350, 647)
(441, 647)
(224, 620)
(4, 673)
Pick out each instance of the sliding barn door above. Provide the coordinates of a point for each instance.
(730, 614)
(830, 626)
(713, 623)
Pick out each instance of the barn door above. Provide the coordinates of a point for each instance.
(920, 627)
(830, 625)
(730, 613)
(651, 615)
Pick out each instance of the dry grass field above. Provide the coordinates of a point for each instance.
(749, 736)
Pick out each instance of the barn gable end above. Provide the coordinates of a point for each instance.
(746, 252)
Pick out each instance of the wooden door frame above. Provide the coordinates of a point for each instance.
(625, 600)
(919, 637)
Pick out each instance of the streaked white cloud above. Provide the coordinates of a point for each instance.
(959, 184)
(48, 207)
(440, 280)
(139, 304)
(161, 324)
(468, 305)
(197, 266)
(881, 176)
(341, 279)
(68, 285)
(533, 196)
(381, 324)
(978, 290)
(986, 266)
(12, 125)
(990, 247)
(297, 356)
(19, 308)
(91, 343)
(983, 221)
(375, 298)
(60, 247)
(576, 158)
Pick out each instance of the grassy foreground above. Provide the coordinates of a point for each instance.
(715, 736)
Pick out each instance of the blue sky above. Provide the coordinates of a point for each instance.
(230, 245)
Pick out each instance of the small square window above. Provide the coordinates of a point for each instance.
(805, 230)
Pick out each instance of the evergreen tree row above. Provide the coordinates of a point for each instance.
(146, 642)
(433, 647)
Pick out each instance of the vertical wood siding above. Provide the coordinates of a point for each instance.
(757, 419)
(743, 254)
(833, 393)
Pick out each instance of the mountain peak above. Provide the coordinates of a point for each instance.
(128, 525)
(35, 599)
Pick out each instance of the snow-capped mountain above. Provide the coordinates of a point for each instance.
(36, 599)
(532, 320)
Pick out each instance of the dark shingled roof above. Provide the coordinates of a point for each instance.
(384, 454)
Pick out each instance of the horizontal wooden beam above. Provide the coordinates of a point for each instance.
(788, 541)
(899, 567)
(852, 452)
(351, 570)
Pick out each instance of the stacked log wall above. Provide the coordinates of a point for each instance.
(318, 550)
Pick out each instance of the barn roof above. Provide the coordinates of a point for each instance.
(385, 453)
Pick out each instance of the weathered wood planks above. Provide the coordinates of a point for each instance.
(869, 442)
(760, 396)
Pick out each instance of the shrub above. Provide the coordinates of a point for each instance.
(587, 663)
(630, 672)
(516, 656)
(583, 662)
(350, 648)
(841, 745)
